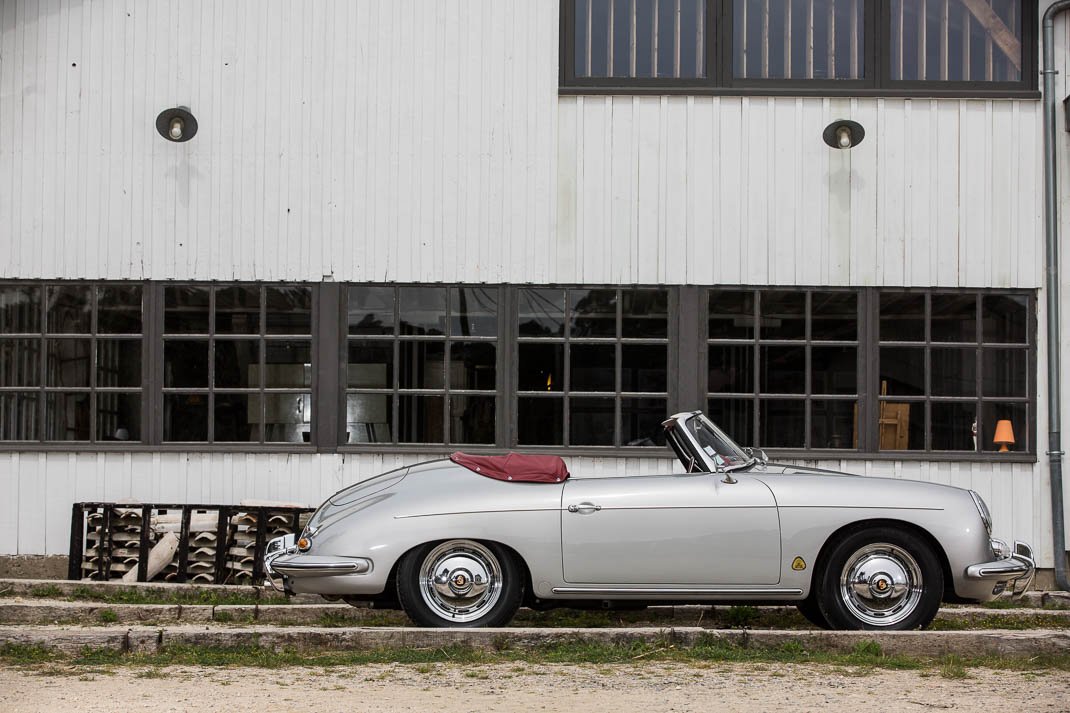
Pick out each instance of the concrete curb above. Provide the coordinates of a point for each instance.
(311, 639)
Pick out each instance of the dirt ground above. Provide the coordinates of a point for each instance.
(446, 688)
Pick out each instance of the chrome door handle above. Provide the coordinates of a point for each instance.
(584, 508)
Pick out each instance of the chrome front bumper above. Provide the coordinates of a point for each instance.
(282, 560)
(1013, 572)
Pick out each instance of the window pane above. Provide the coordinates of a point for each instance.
(185, 364)
(420, 419)
(118, 362)
(422, 365)
(731, 315)
(954, 318)
(645, 314)
(237, 363)
(474, 312)
(541, 313)
(472, 419)
(237, 417)
(540, 421)
(368, 418)
(237, 310)
(953, 426)
(1004, 372)
(902, 426)
(371, 310)
(119, 309)
(783, 370)
(20, 309)
(67, 417)
(902, 371)
(799, 39)
(287, 417)
(956, 40)
(185, 416)
(954, 372)
(18, 416)
(20, 362)
(902, 317)
(541, 367)
(1016, 415)
(640, 38)
(371, 364)
(731, 369)
(594, 313)
(118, 417)
(423, 310)
(834, 370)
(640, 422)
(783, 315)
(832, 424)
(643, 367)
(1005, 318)
(834, 316)
(473, 365)
(287, 364)
(69, 309)
(593, 367)
(782, 424)
(67, 362)
(735, 417)
(185, 310)
(590, 422)
(288, 310)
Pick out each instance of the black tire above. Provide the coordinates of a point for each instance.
(809, 608)
(460, 584)
(898, 581)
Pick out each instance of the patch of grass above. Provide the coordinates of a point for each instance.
(953, 667)
(210, 597)
(222, 617)
(26, 654)
(153, 672)
(108, 616)
(48, 591)
(740, 617)
(1000, 621)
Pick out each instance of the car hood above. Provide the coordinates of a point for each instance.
(788, 469)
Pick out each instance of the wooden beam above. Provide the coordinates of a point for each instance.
(1010, 45)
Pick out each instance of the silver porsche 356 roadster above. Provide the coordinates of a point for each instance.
(468, 540)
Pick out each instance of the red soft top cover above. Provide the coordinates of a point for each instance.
(515, 466)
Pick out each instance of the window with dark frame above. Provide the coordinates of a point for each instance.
(842, 47)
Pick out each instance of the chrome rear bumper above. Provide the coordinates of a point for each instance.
(282, 560)
(1015, 571)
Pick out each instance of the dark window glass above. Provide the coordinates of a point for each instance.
(783, 370)
(783, 315)
(799, 39)
(287, 364)
(472, 419)
(423, 310)
(591, 422)
(118, 362)
(540, 421)
(20, 362)
(119, 309)
(473, 365)
(67, 417)
(954, 318)
(70, 309)
(371, 310)
(185, 364)
(954, 372)
(901, 426)
(731, 369)
(473, 312)
(236, 417)
(953, 426)
(645, 314)
(18, 416)
(735, 417)
(833, 370)
(67, 362)
(185, 417)
(118, 416)
(643, 368)
(1016, 415)
(371, 364)
(640, 422)
(1005, 318)
(594, 313)
(541, 313)
(237, 363)
(422, 365)
(20, 309)
(368, 418)
(902, 371)
(288, 310)
(420, 419)
(237, 310)
(832, 424)
(287, 417)
(1004, 372)
(731, 315)
(185, 310)
(834, 316)
(541, 367)
(782, 424)
(593, 367)
(902, 317)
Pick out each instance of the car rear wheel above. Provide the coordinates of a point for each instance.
(810, 609)
(459, 583)
(881, 579)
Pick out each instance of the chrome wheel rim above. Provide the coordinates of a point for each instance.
(460, 580)
(881, 584)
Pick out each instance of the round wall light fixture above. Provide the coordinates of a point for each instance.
(843, 134)
(176, 124)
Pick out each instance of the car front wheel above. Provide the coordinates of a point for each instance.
(459, 583)
(881, 579)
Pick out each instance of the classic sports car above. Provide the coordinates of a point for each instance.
(466, 541)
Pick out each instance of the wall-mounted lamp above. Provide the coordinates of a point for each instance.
(843, 134)
(176, 124)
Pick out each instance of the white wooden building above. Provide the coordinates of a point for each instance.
(504, 150)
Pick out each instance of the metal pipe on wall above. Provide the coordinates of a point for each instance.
(1051, 236)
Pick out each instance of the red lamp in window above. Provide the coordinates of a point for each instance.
(1004, 435)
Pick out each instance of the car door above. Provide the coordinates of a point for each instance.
(669, 529)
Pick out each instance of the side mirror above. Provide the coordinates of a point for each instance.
(719, 466)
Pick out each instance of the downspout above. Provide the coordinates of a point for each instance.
(1051, 239)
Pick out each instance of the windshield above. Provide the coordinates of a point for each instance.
(714, 442)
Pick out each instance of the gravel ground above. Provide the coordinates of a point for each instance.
(445, 688)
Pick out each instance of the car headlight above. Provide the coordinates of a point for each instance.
(982, 509)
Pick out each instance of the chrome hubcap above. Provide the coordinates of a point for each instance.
(460, 580)
(881, 584)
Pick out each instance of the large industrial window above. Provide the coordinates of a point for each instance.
(70, 362)
(840, 47)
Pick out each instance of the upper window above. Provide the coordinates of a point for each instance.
(828, 46)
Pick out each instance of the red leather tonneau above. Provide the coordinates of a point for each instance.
(516, 467)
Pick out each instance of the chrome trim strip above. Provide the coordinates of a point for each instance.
(674, 591)
(313, 569)
(1018, 565)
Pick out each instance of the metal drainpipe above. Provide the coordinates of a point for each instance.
(1051, 235)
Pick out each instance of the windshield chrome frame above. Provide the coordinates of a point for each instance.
(682, 419)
